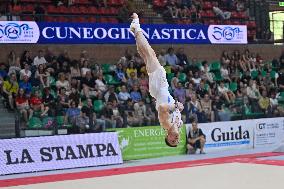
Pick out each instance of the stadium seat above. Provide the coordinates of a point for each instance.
(218, 76)
(110, 80)
(60, 120)
(215, 66)
(106, 68)
(98, 105)
(182, 77)
(34, 123)
(170, 76)
(233, 86)
(254, 74)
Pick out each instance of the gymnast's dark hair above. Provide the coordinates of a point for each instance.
(167, 143)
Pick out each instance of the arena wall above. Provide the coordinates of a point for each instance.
(111, 53)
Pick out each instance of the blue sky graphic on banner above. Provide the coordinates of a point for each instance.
(88, 33)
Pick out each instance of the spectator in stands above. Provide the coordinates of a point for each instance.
(82, 121)
(111, 95)
(143, 82)
(225, 73)
(135, 94)
(171, 59)
(133, 80)
(22, 104)
(182, 58)
(264, 103)
(120, 73)
(75, 96)
(72, 112)
(10, 90)
(201, 90)
(162, 57)
(195, 139)
(100, 84)
(194, 14)
(62, 101)
(206, 107)
(12, 58)
(225, 58)
(26, 85)
(140, 113)
(226, 93)
(26, 71)
(88, 85)
(62, 82)
(39, 59)
(179, 93)
(130, 117)
(48, 100)
(123, 95)
(184, 11)
(280, 79)
(172, 9)
(41, 76)
(240, 5)
(75, 74)
(196, 79)
(38, 13)
(3, 71)
(128, 56)
(253, 93)
(15, 68)
(224, 15)
(189, 91)
(107, 115)
(205, 72)
(192, 108)
(96, 124)
(85, 68)
(131, 69)
(26, 59)
(37, 105)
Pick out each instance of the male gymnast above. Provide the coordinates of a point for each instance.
(168, 109)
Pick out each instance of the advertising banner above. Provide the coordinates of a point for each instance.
(269, 132)
(147, 142)
(58, 152)
(227, 135)
(96, 33)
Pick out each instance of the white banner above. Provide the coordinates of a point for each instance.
(269, 132)
(227, 135)
(19, 32)
(58, 152)
(228, 34)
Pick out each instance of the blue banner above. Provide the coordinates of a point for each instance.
(88, 33)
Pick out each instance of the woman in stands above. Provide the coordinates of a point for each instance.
(22, 104)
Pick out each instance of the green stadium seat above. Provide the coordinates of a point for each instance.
(263, 73)
(47, 122)
(60, 121)
(254, 74)
(206, 87)
(215, 66)
(233, 86)
(98, 105)
(106, 68)
(52, 81)
(218, 76)
(273, 74)
(110, 80)
(34, 123)
(182, 77)
(170, 76)
(252, 115)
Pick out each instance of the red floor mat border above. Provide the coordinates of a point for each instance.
(135, 169)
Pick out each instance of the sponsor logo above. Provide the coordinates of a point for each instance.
(218, 135)
(260, 126)
(227, 34)
(18, 32)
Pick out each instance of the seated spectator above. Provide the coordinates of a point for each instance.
(72, 112)
(48, 100)
(62, 82)
(36, 104)
(225, 58)
(25, 72)
(96, 124)
(193, 109)
(179, 93)
(140, 113)
(85, 68)
(100, 84)
(201, 91)
(221, 14)
(26, 85)
(135, 94)
(10, 90)
(196, 79)
(120, 73)
(75, 73)
(206, 107)
(162, 57)
(62, 102)
(26, 59)
(253, 93)
(225, 73)
(182, 58)
(22, 104)
(131, 69)
(143, 82)
(75, 96)
(15, 68)
(171, 59)
(3, 71)
(39, 59)
(189, 91)
(196, 139)
(172, 9)
(107, 115)
(226, 93)
(42, 76)
(111, 95)
(123, 95)
(89, 85)
(130, 117)
(194, 13)
(82, 121)
(12, 58)
(133, 80)
(184, 11)
(264, 103)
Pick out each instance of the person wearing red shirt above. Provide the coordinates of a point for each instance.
(36, 104)
(22, 104)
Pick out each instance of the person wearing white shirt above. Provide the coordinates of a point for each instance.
(39, 59)
(123, 95)
(25, 72)
(226, 93)
(101, 86)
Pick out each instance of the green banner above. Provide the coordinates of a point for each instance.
(147, 142)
